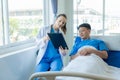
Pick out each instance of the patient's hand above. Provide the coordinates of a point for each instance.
(85, 51)
(74, 56)
(81, 52)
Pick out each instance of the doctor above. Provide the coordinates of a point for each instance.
(49, 58)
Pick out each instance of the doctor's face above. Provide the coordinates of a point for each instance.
(60, 22)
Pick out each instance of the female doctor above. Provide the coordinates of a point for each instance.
(49, 58)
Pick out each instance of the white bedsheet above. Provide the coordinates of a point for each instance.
(91, 64)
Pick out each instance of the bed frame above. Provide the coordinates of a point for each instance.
(52, 75)
(113, 60)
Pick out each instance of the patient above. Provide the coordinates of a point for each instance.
(85, 39)
(87, 55)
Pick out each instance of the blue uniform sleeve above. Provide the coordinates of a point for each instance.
(102, 46)
(75, 46)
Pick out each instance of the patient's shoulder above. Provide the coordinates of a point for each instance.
(77, 40)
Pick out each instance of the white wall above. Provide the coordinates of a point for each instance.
(18, 65)
(66, 6)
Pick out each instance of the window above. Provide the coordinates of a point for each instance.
(104, 19)
(112, 17)
(25, 19)
(1, 27)
(20, 20)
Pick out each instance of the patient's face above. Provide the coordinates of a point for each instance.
(84, 33)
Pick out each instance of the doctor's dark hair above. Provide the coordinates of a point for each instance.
(86, 25)
(64, 29)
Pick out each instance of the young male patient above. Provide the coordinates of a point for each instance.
(87, 57)
(98, 47)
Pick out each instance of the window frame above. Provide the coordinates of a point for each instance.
(105, 29)
(7, 46)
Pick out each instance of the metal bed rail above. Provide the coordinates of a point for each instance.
(52, 75)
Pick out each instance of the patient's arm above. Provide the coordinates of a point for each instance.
(102, 54)
(87, 51)
(74, 56)
(83, 52)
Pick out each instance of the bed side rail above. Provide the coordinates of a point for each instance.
(52, 75)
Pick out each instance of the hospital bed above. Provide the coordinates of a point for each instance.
(52, 75)
(113, 60)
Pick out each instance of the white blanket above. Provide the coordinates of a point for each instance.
(91, 64)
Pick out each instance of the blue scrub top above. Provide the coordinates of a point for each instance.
(98, 44)
(51, 52)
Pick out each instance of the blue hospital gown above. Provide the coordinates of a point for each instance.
(98, 44)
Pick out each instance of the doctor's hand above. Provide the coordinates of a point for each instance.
(62, 51)
(46, 38)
